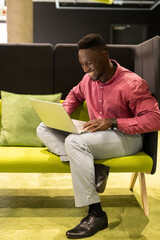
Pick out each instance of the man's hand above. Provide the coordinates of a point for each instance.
(97, 125)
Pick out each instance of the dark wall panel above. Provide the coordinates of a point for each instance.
(68, 26)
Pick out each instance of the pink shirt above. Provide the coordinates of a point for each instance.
(126, 97)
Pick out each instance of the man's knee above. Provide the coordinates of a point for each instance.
(71, 141)
(40, 129)
(74, 143)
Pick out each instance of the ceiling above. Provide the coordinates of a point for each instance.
(104, 4)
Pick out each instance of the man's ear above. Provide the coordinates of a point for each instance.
(104, 54)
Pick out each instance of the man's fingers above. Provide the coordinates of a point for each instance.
(88, 124)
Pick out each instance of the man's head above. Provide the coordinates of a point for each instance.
(92, 41)
(93, 56)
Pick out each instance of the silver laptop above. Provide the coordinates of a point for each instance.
(54, 115)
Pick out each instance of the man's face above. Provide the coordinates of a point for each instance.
(93, 62)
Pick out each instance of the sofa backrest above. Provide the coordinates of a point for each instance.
(68, 71)
(42, 69)
(147, 64)
(27, 68)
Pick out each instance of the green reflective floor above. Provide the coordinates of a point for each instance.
(41, 207)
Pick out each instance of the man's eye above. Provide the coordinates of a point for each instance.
(86, 64)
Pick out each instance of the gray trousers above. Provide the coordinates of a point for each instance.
(81, 150)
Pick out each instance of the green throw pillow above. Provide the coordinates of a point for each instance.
(19, 119)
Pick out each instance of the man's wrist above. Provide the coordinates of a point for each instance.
(114, 123)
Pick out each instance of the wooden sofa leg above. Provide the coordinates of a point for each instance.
(133, 180)
(143, 193)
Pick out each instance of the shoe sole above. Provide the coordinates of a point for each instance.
(86, 236)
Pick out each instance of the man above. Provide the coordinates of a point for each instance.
(120, 108)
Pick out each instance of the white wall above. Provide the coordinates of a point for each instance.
(3, 32)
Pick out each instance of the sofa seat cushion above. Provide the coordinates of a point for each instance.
(140, 162)
(30, 160)
(39, 159)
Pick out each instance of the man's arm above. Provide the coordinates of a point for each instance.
(144, 108)
(74, 99)
(148, 121)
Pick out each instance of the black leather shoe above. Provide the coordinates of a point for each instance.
(101, 176)
(88, 226)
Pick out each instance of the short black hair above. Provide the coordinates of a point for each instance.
(92, 40)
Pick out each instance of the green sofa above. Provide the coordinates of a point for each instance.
(20, 159)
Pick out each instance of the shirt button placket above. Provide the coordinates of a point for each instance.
(100, 100)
